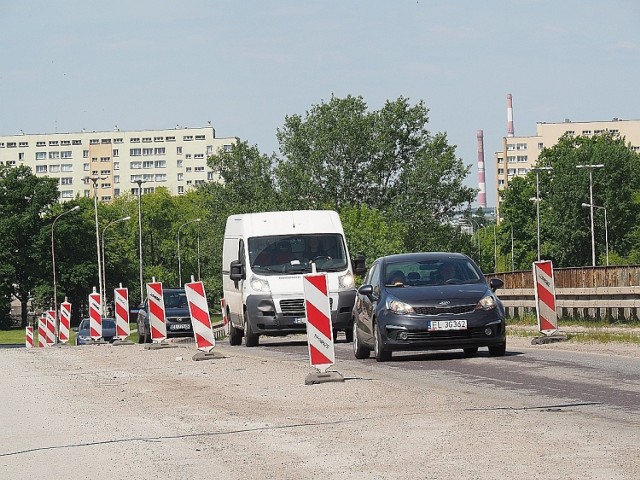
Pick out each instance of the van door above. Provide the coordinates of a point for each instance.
(234, 249)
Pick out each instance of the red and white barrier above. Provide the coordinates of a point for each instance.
(121, 300)
(223, 309)
(545, 297)
(28, 337)
(51, 327)
(95, 316)
(42, 331)
(65, 322)
(157, 316)
(319, 327)
(200, 319)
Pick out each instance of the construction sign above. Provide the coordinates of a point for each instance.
(545, 291)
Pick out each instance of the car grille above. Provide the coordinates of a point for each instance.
(295, 307)
(476, 332)
(451, 309)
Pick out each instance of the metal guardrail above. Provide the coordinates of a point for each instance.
(605, 293)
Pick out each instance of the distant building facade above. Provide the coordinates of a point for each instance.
(173, 158)
(520, 154)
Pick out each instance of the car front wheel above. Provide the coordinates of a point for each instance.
(498, 350)
(380, 353)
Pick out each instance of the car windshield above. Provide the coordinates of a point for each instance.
(175, 300)
(280, 254)
(412, 273)
(107, 323)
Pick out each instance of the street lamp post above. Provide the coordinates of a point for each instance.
(53, 261)
(179, 263)
(198, 253)
(139, 182)
(593, 237)
(104, 261)
(537, 200)
(606, 228)
(94, 179)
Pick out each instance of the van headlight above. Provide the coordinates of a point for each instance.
(346, 281)
(259, 285)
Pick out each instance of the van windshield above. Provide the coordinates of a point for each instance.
(279, 254)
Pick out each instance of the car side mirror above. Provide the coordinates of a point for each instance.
(359, 267)
(366, 291)
(495, 283)
(236, 271)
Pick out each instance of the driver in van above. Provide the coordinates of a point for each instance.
(313, 250)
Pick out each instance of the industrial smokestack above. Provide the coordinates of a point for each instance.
(509, 116)
(482, 189)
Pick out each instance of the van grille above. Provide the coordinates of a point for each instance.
(295, 307)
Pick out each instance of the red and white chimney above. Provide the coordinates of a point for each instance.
(482, 188)
(509, 115)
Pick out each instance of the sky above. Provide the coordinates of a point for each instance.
(244, 65)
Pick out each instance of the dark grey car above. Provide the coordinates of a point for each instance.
(83, 335)
(427, 301)
(178, 318)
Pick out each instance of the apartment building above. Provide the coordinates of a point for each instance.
(174, 158)
(520, 154)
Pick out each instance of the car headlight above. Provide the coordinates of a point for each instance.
(486, 303)
(396, 306)
(259, 285)
(346, 281)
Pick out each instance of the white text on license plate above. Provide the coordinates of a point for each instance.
(180, 326)
(300, 321)
(437, 325)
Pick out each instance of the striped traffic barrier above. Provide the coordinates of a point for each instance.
(157, 316)
(319, 329)
(28, 337)
(121, 300)
(225, 319)
(51, 327)
(65, 322)
(42, 331)
(201, 321)
(545, 293)
(95, 316)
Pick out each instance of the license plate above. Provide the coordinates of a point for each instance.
(438, 325)
(180, 326)
(299, 321)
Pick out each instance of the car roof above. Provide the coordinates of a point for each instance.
(414, 256)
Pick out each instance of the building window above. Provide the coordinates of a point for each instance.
(116, 165)
(188, 169)
(146, 140)
(209, 175)
(187, 138)
(147, 151)
(135, 152)
(179, 164)
(227, 147)
(85, 167)
(147, 164)
(105, 185)
(94, 159)
(106, 141)
(158, 139)
(180, 189)
(570, 132)
(501, 183)
(54, 168)
(54, 155)
(66, 194)
(511, 146)
(12, 163)
(66, 167)
(586, 132)
(117, 140)
(76, 142)
(135, 140)
(521, 146)
(41, 144)
(41, 155)
(53, 143)
(522, 158)
(209, 149)
(179, 150)
(540, 145)
(116, 192)
(94, 141)
(198, 169)
(40, 168)
(23, 144)
(66, 181)
(501, 171)
(159, 151)
(85, 154)
(161, 177)
(188, 156)
(116, 152)
(116, 179)
(65, 154)
(11, 144)
(180, 177)
(170, 139)
(135, 165)
(105, 198)
(199, 137)
(105, 172)
(160, 164)
(511, 159)
(511, 171)
(523, 171)
(198, 155)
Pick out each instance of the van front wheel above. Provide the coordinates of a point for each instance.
(250, 339)
(235, 335)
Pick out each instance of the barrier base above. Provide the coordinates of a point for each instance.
(200, 355)
(122, 342)
(549, 339)
(158, 346)
(318, 377)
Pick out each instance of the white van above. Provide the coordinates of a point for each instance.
(264, 258)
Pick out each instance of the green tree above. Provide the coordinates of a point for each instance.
(24, 202)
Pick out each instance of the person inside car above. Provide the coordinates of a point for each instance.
(396, 278)
(446, 271)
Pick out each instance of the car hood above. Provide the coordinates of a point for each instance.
(435, 294)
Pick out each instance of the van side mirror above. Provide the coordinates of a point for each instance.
(359, 267)
(495, 283)
(236, 271)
